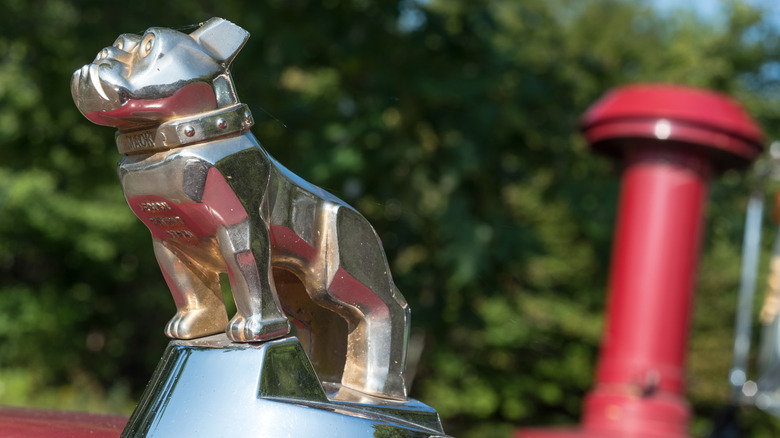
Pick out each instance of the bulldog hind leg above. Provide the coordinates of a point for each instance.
(200, 310)
(356, 283)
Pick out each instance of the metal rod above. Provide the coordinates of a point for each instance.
(747, 289)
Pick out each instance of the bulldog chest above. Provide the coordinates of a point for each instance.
(180, 196)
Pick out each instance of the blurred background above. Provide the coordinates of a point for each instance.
(450, 124)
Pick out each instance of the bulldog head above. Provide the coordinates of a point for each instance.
(144, 80)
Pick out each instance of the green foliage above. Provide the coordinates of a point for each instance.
(457, 138)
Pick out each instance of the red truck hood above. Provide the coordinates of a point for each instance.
(36, 423)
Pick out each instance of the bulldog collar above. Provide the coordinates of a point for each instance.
(183, 131)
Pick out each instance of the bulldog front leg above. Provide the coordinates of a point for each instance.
(200, 310)
(246, 250)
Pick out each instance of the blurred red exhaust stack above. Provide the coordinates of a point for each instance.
(670, 140)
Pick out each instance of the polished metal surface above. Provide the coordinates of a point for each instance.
(212, 387)
(216, 202)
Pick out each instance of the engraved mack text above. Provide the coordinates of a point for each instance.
(142, 140)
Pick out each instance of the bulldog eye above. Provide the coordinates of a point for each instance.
(119, 45)
(146, 45)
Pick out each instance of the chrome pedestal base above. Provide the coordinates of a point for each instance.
(212, 387)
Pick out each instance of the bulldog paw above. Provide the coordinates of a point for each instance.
(196, 323)
(253, 329)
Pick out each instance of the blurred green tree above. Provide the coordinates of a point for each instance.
(450, 124)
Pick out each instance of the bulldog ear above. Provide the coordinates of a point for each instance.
(221, 38)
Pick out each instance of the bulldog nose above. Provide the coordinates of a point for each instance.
(112, 53)
(102, 55)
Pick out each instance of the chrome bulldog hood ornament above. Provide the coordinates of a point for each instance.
(216, 202)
